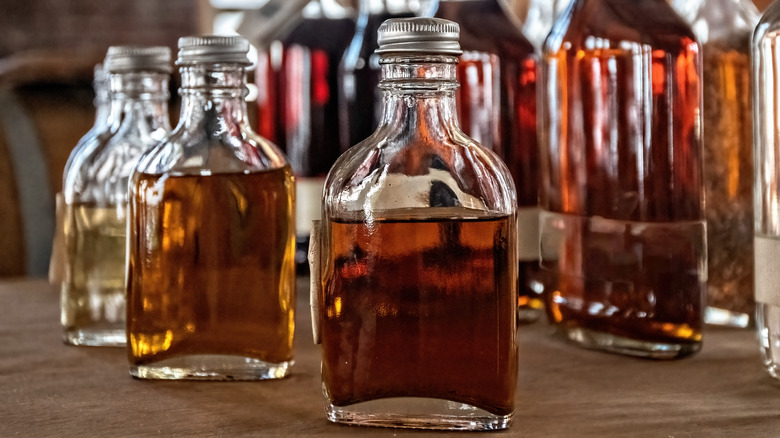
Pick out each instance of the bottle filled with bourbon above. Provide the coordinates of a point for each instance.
(211, 269)
(297, 80)
(95, 195)
(623, 235)
(418, 256)
(724, 28)
(496, 105)
(766, 189)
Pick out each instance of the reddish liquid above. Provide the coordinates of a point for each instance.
(421, 308)
(497, 105)
(211, 267)
(624, 117)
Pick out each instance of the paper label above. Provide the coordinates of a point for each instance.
(315, 285)
(308, 203)
(767, 269)
(528, 234)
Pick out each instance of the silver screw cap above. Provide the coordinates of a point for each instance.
(133, 58)
(214, 49)
(419, 35)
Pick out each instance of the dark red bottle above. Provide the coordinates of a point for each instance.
(298, 104)
(497, 107)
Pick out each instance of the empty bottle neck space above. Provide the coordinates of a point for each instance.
(138, 86)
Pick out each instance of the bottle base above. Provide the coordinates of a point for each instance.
(596, 340)
(726, 318)
(418, 413)
(768, 330)
(211, 367)
(95, 337)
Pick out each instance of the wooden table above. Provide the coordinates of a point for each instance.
(50, 389)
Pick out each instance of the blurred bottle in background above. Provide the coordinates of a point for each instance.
(537, 17)
(496, 105)
(296, 76)
(96, 192)
(360, 101)
(623, 235)
(102, 110)
(724, 28)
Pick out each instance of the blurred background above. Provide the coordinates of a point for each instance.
(47, 53)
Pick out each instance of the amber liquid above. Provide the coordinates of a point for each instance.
(497, 107)
(421, 308)
(624, 151)
(211, 266)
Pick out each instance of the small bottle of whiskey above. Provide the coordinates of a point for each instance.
(419, 256)
(211, 269)
(95, 195)
(623, 235)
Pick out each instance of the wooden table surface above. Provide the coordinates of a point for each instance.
(50, 389)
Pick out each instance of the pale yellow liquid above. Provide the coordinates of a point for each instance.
(93, 290)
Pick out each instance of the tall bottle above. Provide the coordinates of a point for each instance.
(418, 256)
(623, 234)
(766, 149)
(211, 269)
(496, 105)
(724, 28)
(102, 109)
(95, 194)
(297, 102)
(360, 102)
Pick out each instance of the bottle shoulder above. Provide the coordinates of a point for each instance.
(189, 150)
(615, 23)
(384, 174)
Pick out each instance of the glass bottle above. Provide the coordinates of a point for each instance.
(766, 150)
(418, 256)
(724, 28)
(211, 269)
(360, 101)
(95, 193)
(538, 17)
(623, 232)
(496, 105)
(102, 108)
(297, 103)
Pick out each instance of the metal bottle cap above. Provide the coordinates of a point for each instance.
(213, 49)
(132, 58)
(419, 35)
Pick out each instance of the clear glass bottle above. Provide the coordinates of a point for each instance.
(766, 151)
(623, 235)
(496, 105)
(297, 79)
(360, 101)
(418, 256)
(724, 28)
(95, 193)
(211, 268)
(102, 105)
(538, 16)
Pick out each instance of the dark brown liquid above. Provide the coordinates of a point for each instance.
(421, 308)
(211, 266)
(624, 145)
(497, 105)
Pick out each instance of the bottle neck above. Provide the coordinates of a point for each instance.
(138, 96)
(419, 93)
(214, 92)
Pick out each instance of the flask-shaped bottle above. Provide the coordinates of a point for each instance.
(623, 235)
(418, 255)
(211, 270)
(95, 194)
(496, 105)
(724, 28)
